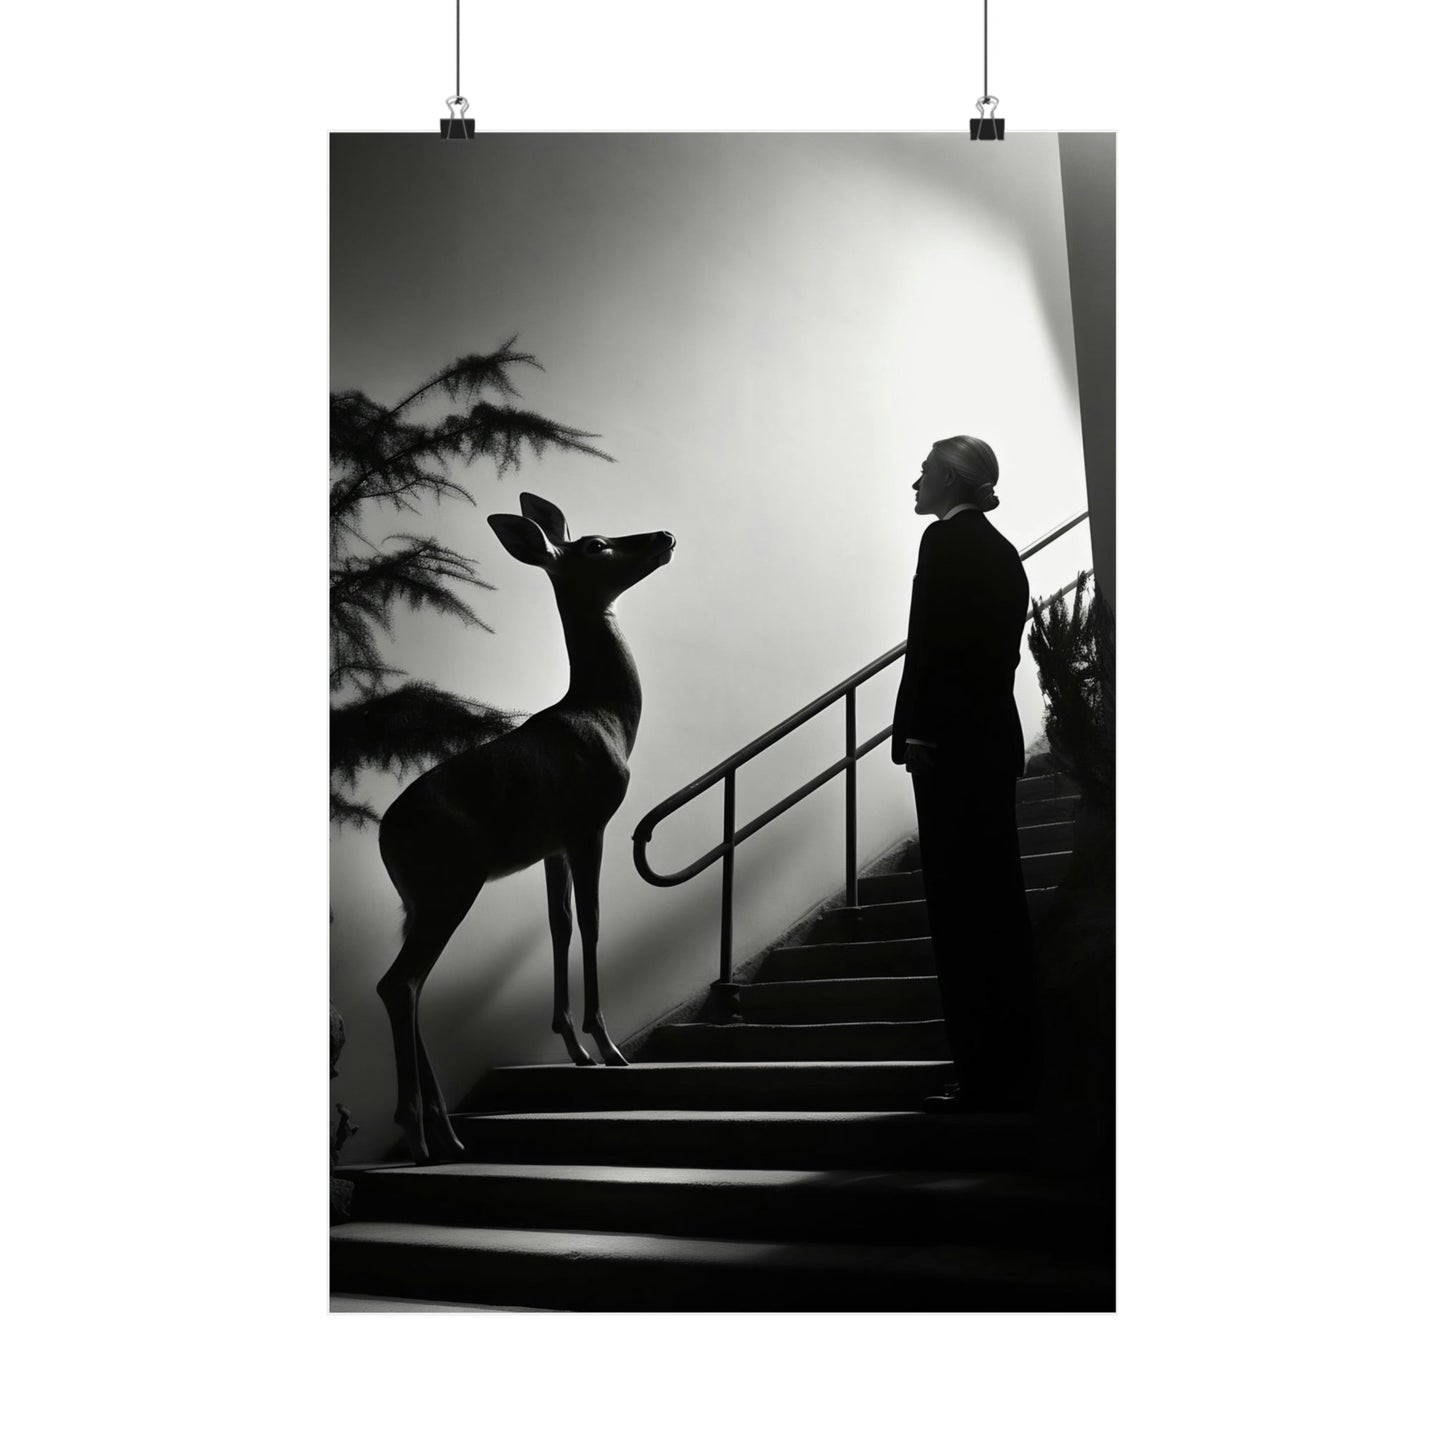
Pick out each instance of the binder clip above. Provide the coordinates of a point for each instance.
(986, 127)
(458, 127)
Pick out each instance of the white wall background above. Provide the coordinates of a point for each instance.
(768, 332)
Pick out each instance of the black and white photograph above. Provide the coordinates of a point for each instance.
(722, 721)
(878, 587)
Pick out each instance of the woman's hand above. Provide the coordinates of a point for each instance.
(918, 758)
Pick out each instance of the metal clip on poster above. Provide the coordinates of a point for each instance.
(458, 127)
(990, 126)
(986, 127)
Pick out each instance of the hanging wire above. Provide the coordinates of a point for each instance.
(458, 90)
(458, 127)
(986, 127)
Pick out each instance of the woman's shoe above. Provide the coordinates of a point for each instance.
(1013, 1098)
(950, 1101)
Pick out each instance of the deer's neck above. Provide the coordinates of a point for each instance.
(604, 677)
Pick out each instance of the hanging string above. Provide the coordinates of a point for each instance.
(458, 90)
(458, 127)
(990, 126)
(985, 46)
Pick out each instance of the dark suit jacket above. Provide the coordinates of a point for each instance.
(965, 626)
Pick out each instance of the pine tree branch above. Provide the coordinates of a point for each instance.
(413, 725)
(536, 430)
(347, 813)
(480, 370)
(415, 574)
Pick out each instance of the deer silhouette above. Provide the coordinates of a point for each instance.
(543, 792)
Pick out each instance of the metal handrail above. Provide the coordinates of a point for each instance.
(726, 773)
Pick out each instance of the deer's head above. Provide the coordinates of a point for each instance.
(592, 571)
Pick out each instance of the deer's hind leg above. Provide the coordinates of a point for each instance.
(442, 1143)
(419, 1101)
(559, 917)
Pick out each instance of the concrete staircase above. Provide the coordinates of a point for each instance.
(777, 1163)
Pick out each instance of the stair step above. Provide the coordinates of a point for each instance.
(1043, 838)
(1041, 870)
(861, 1084)
(906, 918)
(748, 1139)
(1033, 838)
(592, 1270)
(374, 1304)
(842, 1000)
(829, 1204)
(870, 923)
(892, 958)
(890, 887)
(824, 1042)
(1046, 870)
(1044, 785)
(1047, 810)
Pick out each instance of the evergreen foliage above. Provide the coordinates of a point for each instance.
(392, 459)
(1074, 942)
(1074, 650)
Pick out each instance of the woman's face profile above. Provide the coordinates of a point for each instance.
(932, 487)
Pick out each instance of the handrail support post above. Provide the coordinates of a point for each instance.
(851, 803)
(730, 790)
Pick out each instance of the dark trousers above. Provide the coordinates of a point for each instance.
(978, 915)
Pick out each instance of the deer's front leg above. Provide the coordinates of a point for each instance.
(559, 916)
(586, 861)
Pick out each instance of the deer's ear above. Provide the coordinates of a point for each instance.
(548, 517)
(524, 539)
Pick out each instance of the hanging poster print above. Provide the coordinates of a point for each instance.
(657, 994)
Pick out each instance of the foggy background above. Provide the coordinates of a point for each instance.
(767, 332)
